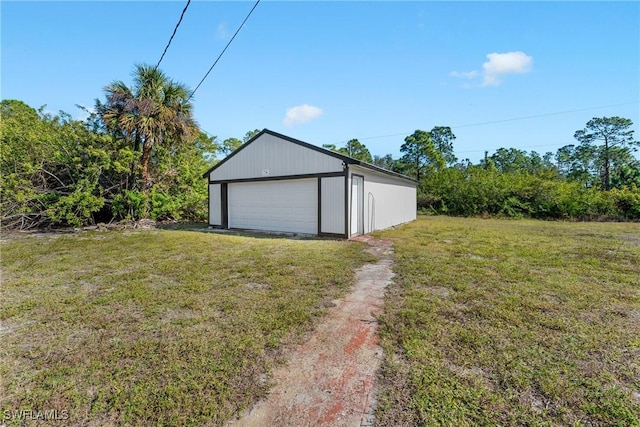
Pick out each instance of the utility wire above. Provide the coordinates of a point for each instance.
(225, 49)
(174, 33)
(505, 120)
(542, 115)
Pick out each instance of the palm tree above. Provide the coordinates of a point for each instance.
(155, 110)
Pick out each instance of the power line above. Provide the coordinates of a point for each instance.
(542, 115)
(174, 33)
(505, 120)
(225, 49)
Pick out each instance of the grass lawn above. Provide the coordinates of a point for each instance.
(156, 327)
(505, 322)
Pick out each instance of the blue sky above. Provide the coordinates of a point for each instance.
(326, 72)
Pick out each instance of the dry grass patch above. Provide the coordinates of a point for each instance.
(156, 327)
(502, 322)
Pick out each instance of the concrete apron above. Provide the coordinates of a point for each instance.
(329, 380)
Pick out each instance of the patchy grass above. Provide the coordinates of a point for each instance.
(502, 322)
(156, 327)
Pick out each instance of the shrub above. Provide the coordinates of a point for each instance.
(476, 191)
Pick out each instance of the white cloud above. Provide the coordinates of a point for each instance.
(301, 114)
(497, 66)
(500, 64)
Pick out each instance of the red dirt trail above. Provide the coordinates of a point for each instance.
(329, 380)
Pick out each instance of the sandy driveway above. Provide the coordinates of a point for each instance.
(329, 380)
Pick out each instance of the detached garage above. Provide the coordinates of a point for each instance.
(277, 183)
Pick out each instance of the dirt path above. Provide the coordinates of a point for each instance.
(329, 380)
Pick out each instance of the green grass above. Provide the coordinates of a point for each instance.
(503, 322)
(156, 327)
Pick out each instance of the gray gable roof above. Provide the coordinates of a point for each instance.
(345, 159)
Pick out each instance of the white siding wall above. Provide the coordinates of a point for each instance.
(272, 156)
(215, 208)
(332, 205)
(388, 201)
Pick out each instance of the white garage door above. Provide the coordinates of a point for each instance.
(290, 205)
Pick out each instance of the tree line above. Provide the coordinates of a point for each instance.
(140, 154)
(596, 178)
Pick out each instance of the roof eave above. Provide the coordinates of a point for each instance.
(345, 159)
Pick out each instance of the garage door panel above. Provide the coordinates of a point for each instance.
(288, 205)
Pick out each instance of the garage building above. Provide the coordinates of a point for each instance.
(277, 183)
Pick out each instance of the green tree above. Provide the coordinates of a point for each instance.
(443, 138)
(354, 149)
(357, 150)
(564, 159)
(250, 134)
(627, 175)
(622, 164)
(579, 164)
(507, 160)
(384, 162)
(512, 160)
(616, 137)
(51, 168)
(229, 145)
(420, 154)
(55, 170)
(154, 110)
(208, 146)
